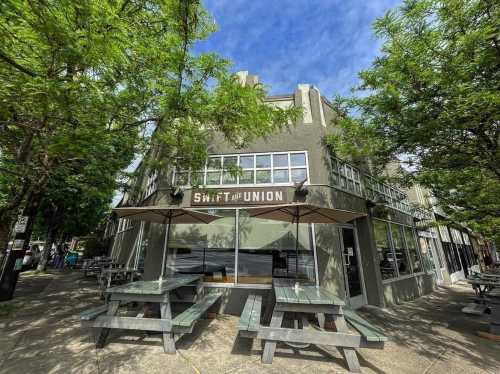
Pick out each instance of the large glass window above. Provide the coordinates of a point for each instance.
(450, 254)
(427, 257)
(385, 255)
(248, 169)
(204, 249)
(413, 252)
(397, 249)
(267, 250)
(400, 250)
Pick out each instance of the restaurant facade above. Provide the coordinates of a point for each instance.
(374, 259)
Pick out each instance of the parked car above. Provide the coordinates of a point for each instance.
(31, 258)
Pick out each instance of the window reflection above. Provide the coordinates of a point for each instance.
(385, 254)
(399, 249)
(204, 249)
(267, 250)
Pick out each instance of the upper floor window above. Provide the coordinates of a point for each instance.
(391, 195)
(346, 176)
(152, 183)
(274, 168)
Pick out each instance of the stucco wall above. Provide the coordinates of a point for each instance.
(407, 289)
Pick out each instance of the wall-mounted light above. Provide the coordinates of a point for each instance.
(301, 189)
(177, 192)
(378, 201)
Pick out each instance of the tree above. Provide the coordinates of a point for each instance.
(432, 100)
(71, 69)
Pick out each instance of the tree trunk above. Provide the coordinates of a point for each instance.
(51, 237)
(10, 271)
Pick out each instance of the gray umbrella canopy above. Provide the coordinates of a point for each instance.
(302, 213)
(166, 215)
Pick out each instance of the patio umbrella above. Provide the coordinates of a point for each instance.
(302, 213)
(166, 215)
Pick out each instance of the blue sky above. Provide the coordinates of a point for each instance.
(286, 42)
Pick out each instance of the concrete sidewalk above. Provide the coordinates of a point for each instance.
(43, 335)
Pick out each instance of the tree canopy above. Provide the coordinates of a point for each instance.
(80, 80)
(432, 100)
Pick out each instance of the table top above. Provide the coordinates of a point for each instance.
(154, 287)
(118, 270)
(311, 294)
(483, 281)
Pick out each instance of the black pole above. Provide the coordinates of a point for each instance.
(297, 246)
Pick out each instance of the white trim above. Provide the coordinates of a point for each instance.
(315, 254)
(271, 169)
(403, 277)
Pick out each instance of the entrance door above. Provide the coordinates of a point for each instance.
(355, 291)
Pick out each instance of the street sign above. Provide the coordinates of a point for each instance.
(22, 222)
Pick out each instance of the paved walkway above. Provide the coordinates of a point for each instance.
(43, 335)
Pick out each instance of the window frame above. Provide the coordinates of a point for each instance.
(391, 243)
(151, 183)
(255, 169)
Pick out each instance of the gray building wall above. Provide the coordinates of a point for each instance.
(305, 135)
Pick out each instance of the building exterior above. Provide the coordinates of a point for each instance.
(455, 250)
(375, 259)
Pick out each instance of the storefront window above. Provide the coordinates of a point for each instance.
(413, 252)
(399, 249)
(204, 249)
(451, 256)
(385, 254)
(427, 257)
(267, 250)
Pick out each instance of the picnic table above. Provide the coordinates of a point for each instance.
(151, 292)
(110, 275)
(96, 265)
(302, 301)
(483, 287)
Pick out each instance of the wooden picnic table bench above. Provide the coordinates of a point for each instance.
(308, 299)
(483, 288)
(106, 317)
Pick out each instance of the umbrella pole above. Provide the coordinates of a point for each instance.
(297, 247)
(165, 248)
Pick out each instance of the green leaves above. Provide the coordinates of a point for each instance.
(81, 82)
(433, 97)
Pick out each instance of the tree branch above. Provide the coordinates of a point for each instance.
(14, 64)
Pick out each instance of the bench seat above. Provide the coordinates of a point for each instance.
(184, 322)
(367, 330)
(250, 317)
(93, 313)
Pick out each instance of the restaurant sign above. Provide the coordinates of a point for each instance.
(238, 196)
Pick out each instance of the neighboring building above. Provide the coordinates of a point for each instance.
(375, 259)
(454, 249)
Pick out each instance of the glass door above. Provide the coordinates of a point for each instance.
(355, 290)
